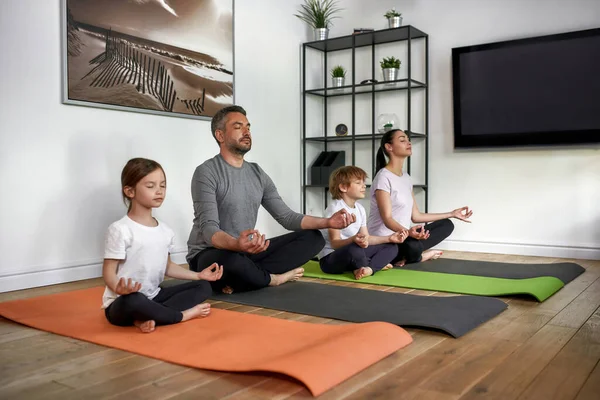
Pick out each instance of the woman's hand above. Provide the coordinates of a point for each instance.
(418, 232)
(398, 237)
(462, 213)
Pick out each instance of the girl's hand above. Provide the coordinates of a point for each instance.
(212, 273)
(127, 287)
(398, 237)
(463, 214)
(361, 240)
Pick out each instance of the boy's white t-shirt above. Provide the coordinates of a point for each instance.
(400, 189)
(143, 251)
(347, 232)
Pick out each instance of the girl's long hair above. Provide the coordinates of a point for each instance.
(381, 153)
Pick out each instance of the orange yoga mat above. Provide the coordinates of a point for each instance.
(320, 356)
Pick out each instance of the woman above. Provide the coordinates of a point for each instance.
(393, 205)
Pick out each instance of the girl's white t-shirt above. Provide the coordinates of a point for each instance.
(400, 190)
(143, 251)
(347, 232)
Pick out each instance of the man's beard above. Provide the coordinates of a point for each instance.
(238, 149)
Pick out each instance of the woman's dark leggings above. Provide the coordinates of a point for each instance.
(164, 309)
(352, 256)
(412, 249)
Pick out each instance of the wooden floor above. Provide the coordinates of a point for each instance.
(532, 350)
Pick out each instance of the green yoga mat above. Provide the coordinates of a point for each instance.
(541, 288)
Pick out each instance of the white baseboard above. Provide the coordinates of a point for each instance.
(60, 274)
(582, 253)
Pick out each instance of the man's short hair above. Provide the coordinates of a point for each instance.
(220, 119)
(344, 176)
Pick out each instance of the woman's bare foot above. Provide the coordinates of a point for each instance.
(293, 275)
(388, 266)
(431, 255)
(362, 272)
(145, 326)
(400, 264)
(227, 290)
(200, 310)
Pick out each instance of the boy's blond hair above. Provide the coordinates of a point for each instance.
(344, 176)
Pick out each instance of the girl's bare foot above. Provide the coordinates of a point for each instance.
(362, 272)
(200, 310)
(388, 266)
(145, 326)
(293, 275)
(431, 255)
(400, 264)
(227, 290)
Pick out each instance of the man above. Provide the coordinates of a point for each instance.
(227, 193)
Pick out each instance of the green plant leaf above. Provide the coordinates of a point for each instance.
(318, 13)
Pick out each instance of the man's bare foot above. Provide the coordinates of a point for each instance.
(145, 326)
(431, 255)
(227, 290)
(293, 275)
(400, 264)
(362, 272)
(388, 266)
(200, 310)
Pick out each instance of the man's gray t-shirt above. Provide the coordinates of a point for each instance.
(227, 198)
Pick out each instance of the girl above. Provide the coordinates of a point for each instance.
(351, 248)
(393, 206)
(136, 259)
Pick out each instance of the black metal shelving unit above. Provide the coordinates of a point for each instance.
(352, 42)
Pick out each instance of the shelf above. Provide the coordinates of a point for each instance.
(367, 39)
(400, 84)
(369, 185)
(349, 138)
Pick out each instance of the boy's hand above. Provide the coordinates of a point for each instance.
(361, 240)
(127, 287)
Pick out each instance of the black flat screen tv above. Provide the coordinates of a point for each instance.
(528, 92)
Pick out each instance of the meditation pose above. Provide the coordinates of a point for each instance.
(352, 248)
(393, 205)
(136, 259)
(227, 192)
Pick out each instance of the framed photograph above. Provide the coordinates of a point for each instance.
(167, 57)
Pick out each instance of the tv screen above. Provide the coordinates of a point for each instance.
(536, 91)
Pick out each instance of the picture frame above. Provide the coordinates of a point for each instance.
(164, 57)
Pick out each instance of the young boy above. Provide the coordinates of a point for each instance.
(351, 248)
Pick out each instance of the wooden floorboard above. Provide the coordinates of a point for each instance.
(531, 351)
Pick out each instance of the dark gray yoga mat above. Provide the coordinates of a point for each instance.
(455, 315)
(566, 272)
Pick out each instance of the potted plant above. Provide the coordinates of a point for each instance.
(394, 18)
(338, 75)
(390, 67)
(319, 14)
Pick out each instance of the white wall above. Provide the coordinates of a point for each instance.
(60, 165)
(525, 201)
